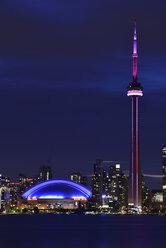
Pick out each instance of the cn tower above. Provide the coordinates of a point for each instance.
(135, 90)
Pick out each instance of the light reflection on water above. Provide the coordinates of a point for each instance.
(79, 231)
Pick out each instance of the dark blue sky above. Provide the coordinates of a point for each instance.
(64, 69)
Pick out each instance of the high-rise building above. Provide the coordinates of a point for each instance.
(4, 181)
(25, 183)
(124, 197)
(115, 188)
(156, 201)
(97, 183)
(146, 197)
(106, 182)
(45, 173)
(22, 182)
(84, 180)
(135, 90)
(14, 193)
(4, 193)
(164, 174)
(76, 177)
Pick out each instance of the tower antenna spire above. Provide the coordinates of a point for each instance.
(135, 38)
(135, 55)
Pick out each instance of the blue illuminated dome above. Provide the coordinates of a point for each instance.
(57, 189)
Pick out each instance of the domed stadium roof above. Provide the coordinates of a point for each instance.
(57, 189)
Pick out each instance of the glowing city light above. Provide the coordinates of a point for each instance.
(104, 196)
(134, 93)
(43, 191)
(51, 197)
(78, 197)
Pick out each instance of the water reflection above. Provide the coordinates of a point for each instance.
(77, 231)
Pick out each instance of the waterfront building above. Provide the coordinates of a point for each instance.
(25, 183)
(14, 193)
(157, 201)
(124, 196)
(22, 182)
(135, 90)
(4, 181)
(97, 183)
(115, 188)
(4, 193)
(164, 174)
(109, 186)
(146, 197)
(55, 194)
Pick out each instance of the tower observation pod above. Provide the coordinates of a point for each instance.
(135, 90)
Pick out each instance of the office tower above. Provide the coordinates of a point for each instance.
(22, 182)
(22, 178)
(106, 182)
(135, 90)
(97, 183)
(146, 197)
(156, 201)
(84, 180)
(76, 177)
(4, 181)
(4, 193)
(30, 182)
(25, 183)
(45, 173)
(115, 179)
(124, 196)
(115, 188)
(14, 193)
(164, 174)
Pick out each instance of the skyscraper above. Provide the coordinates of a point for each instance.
(97, 183)
(4, 193)
(76, 177)
(45, 173)
(164, 174)
(115, 188)
(14, 193)
(135, 90)
(25, 183)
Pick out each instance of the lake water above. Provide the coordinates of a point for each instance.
(79, 231)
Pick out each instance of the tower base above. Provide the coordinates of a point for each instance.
(133, 209)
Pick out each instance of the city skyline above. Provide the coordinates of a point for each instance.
(82, 123)
(63, 87)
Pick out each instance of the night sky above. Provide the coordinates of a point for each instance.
(64, 69)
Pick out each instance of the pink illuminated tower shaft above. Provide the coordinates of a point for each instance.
(135, 91)
(134, 171)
